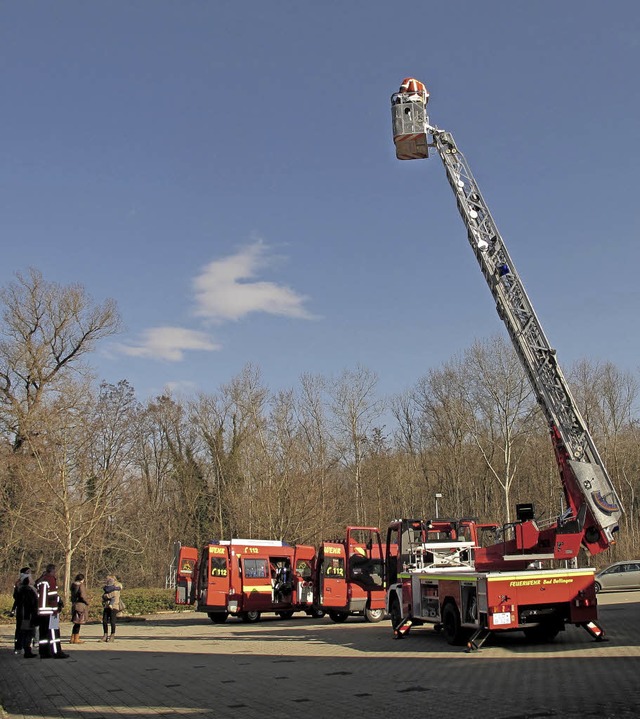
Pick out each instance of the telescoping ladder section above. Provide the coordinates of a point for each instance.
(584, 475)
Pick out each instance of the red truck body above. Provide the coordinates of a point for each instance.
(434, 579)
(245, 578)
(350, 575)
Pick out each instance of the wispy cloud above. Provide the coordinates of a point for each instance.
(224, 290)
(168, 343)
(181, 386)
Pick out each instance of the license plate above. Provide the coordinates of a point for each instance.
(502, 618)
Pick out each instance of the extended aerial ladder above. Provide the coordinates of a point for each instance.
(593, 507)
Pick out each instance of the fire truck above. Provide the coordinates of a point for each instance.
(469, 579)
(349, 578)
(245, 578)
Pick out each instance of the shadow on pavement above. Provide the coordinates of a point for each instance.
(185, 666)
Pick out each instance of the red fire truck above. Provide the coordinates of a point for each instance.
(471, 579)
(350, 575)
(246, 577)
(443, 576)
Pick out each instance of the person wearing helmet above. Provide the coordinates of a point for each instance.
(415, 89)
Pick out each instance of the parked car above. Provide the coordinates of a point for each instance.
(621, 575)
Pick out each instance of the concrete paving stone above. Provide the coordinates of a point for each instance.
(182, 665)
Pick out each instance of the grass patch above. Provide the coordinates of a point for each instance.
(137, 602)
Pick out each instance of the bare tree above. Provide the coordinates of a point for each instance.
(607, 398)
(312, 420)
(355, 409)
(502, 407)
(74, 468)
(444, 421)
(223, 430)
(46, 329)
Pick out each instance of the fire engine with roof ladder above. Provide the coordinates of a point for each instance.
(469, 579)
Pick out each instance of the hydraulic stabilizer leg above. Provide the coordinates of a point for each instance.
(477, 640)
(596, 631)
(402, 628)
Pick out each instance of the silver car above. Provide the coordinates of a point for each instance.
(621, 575)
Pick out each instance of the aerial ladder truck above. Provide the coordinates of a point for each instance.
(452, 575)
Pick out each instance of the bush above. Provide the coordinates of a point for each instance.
(149, 601)
(137, 602)
(6, 602)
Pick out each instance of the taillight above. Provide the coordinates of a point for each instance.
(502, 608)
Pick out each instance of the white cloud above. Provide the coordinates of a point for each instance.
(180, 387)
(223, 292)
(169, 343)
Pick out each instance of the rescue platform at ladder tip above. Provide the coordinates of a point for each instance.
(410, 120)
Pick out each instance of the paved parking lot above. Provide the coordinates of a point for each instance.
(182, 665)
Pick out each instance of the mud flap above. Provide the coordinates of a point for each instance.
(596, 631)
(402, 628)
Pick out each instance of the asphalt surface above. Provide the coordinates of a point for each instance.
(182, 665)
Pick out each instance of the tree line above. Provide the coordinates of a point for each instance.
(97, 480)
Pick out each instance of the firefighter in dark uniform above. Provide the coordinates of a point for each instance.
(49, 607)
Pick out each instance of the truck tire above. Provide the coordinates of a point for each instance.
(338, 617)
(316, 612)
(218, 617)
(286, 614)
(451, 628)
(396, 614)
(250, 617)
(543, 633)
(374, 615)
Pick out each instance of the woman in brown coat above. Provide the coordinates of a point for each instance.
(79, 606)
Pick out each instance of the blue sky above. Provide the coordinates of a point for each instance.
(225, 171)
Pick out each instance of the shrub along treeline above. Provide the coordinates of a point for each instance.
(138, 603)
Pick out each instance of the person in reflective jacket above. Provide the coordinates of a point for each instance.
(49, 607)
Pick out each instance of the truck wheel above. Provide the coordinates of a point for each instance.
(286, 614)
(218, 617)
(338, 617)
(451, 625)
(396, 614)
(374, 615)
(316, 612)
(543, 633)
(250, 617)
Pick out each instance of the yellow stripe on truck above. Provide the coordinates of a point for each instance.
(532, 575)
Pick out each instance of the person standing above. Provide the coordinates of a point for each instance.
(79, 607)
(49, 607)
(26, 603)
(24, 572)
(111, 605)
